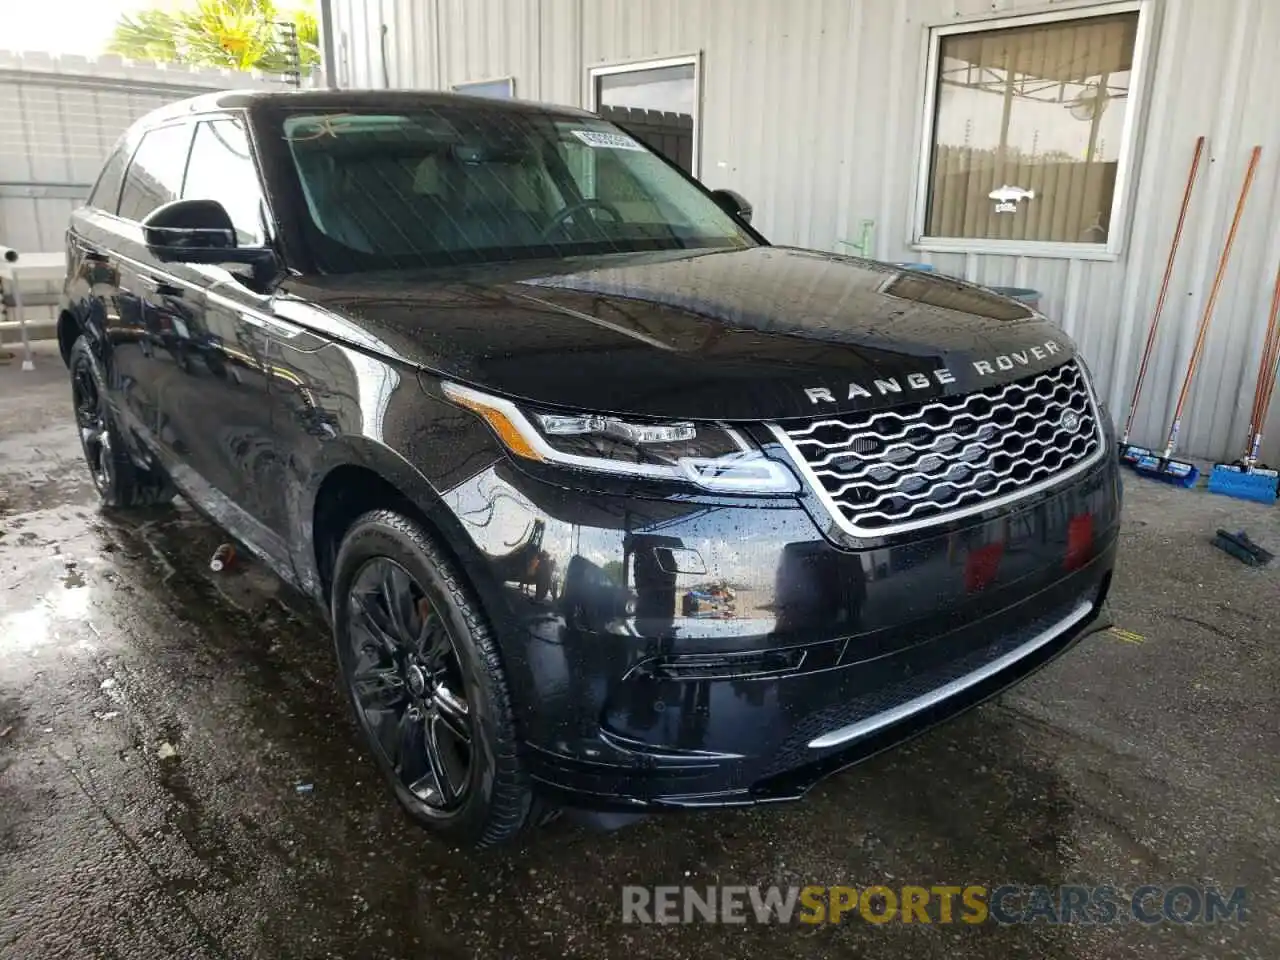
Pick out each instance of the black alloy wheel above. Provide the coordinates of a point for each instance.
(92, 424)
(407, 684)
(422, 670)
(119, 481)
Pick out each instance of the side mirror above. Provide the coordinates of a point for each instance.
(733, 203)
(195, 231)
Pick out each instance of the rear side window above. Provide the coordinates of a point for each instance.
(106, 192)
(221, 168)
(155, 175)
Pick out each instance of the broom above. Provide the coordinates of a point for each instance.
(1244, 478)
(1164, 468)
(1130, 454)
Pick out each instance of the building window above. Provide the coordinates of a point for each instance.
(657, 101)
(1029, 132)
(503, 89)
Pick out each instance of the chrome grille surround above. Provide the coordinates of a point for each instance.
(884, 472)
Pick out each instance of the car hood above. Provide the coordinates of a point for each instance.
(760, 333)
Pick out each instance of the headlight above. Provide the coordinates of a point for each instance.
(712, 456)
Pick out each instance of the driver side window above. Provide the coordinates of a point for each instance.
(221, 168)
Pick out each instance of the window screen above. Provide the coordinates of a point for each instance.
(106, 192)
(155, 175)
(1028, 127)
(221, 168)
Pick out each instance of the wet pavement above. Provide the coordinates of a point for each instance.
(157, 721)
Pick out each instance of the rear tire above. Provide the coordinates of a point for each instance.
(421, 670)
(119, 481)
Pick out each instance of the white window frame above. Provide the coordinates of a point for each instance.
(1135, 110)
(465, 87)
(635, 66)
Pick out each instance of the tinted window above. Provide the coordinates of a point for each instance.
(446, 185)
(106, 191)
(221, 168)
(155, 175)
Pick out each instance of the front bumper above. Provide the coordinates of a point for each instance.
(687, 652)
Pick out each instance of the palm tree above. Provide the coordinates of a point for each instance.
(240, 34)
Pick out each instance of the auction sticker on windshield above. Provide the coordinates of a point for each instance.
(609, 141)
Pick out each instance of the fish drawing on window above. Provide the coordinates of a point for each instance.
(1007, 198)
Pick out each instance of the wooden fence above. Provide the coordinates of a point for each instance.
(671, 134)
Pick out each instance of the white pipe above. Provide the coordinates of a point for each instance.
(328, 55)
(8, 254)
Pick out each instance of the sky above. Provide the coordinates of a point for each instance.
(65, 26)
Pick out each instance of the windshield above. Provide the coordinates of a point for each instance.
(454, 185)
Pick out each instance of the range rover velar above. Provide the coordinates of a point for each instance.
(609, 502)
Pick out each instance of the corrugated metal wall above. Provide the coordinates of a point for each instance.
(813, 110)
(59, 118)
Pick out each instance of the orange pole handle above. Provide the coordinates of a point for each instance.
(1266, 384)
(1164, 288)
(1213, 300)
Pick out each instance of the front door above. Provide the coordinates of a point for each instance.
(214, 396)
(136, 335)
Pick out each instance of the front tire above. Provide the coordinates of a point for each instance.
(119, 481)
(422, 672)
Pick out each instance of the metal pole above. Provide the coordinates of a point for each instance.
(328, 55)
(10, 256)
(1100, 105)
(28, 362)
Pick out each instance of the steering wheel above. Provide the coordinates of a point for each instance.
(561, 218)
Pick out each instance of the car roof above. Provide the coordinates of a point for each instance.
(345, 100)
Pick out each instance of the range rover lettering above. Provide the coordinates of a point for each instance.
(609, 502)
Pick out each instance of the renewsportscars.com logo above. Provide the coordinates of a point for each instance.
(972, 904)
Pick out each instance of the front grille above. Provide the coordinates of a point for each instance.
(892, 470)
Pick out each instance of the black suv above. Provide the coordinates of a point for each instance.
(609, 502)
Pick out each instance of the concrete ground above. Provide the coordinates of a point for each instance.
(157, 719)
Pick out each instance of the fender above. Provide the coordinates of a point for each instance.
(77, 303)
(408, 479)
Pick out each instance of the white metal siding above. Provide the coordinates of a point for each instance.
(59, 118)
(813, 111)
